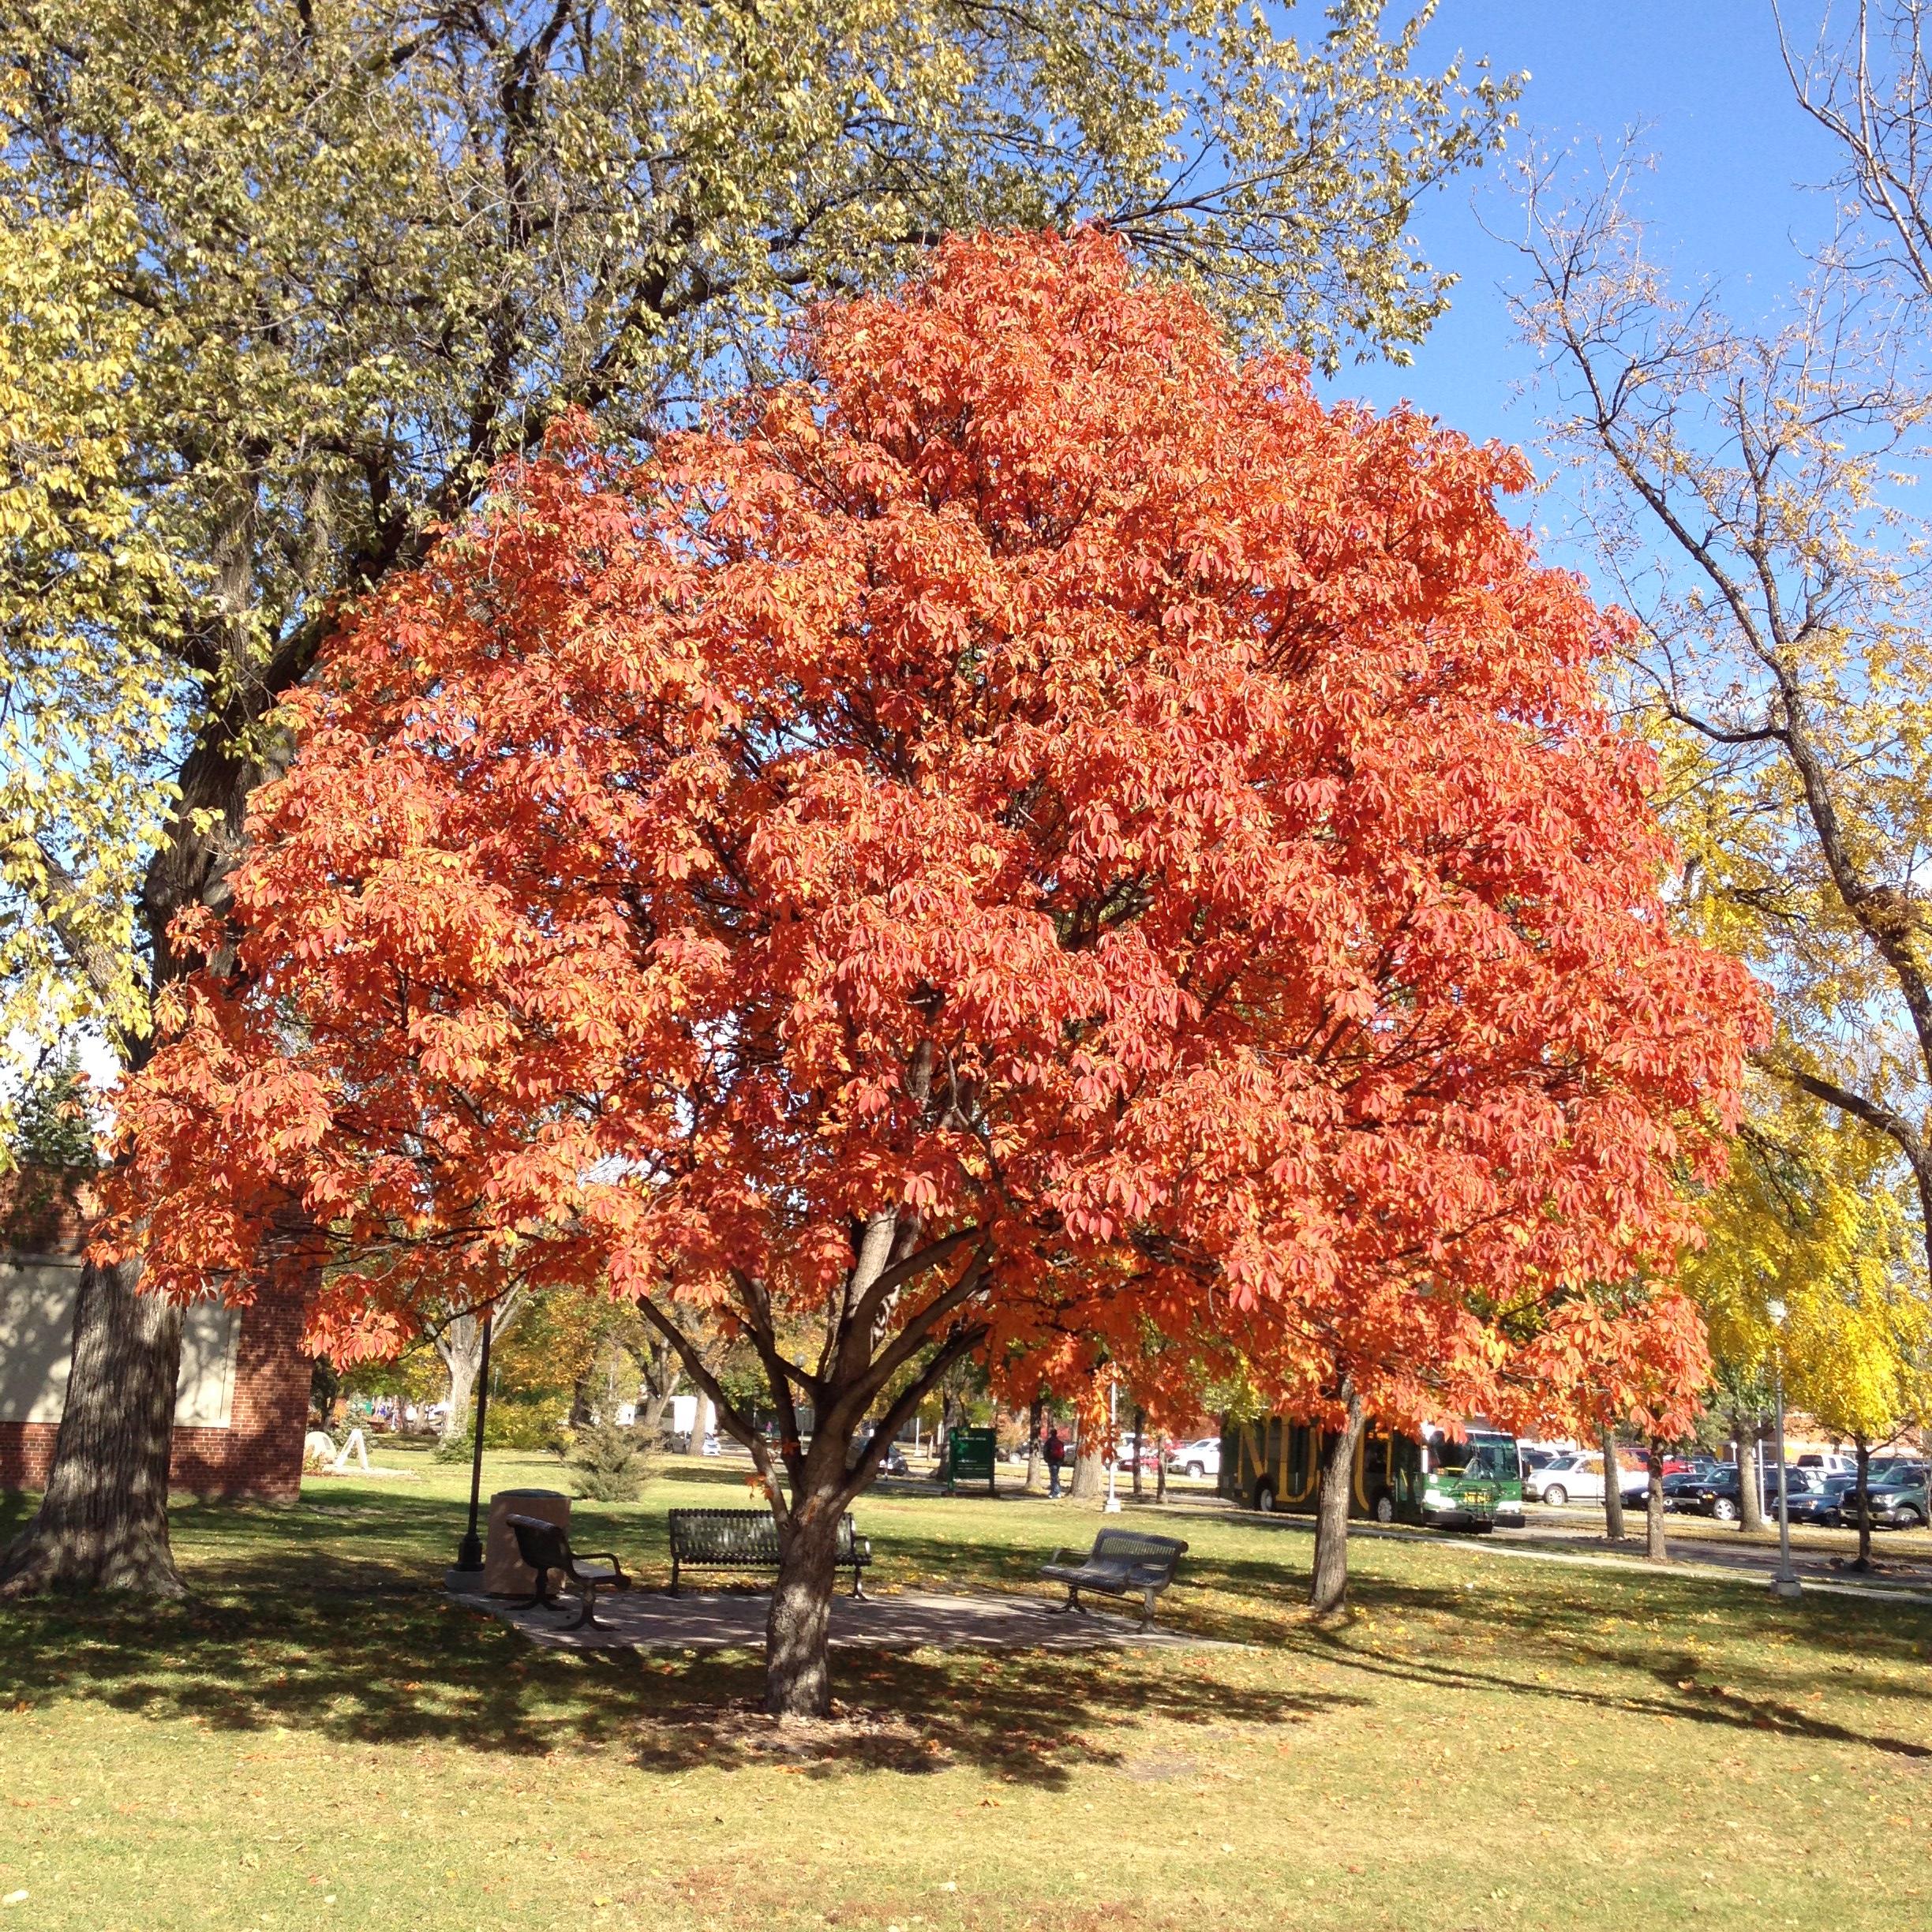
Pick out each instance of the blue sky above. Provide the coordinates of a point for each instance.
(1735, 154)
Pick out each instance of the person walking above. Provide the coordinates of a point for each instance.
(1056, 1455)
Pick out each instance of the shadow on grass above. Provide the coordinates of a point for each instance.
(321, 1619)
(1578, 1618)
(328, 1618)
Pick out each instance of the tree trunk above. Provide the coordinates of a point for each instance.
(701, 1424)
(1087, 1484)
(1750, 1480)
(460, 1347)
(1035, 1416)
(1863, 1493)
(1655, 1545)
(948, 1421)
(798, 1671)
(103, 1523)
(1329, 1586)
(1160, 1469)
(1140, 1420)
(660, 1385)
(1613, 1486)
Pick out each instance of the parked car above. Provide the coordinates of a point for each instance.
(1150, 1458)
(1577, 1477)
(1827, 1464)
(1899, 1468)
(1689, 1489)
(1898, 1502)
(1534, 1458)
(1814, 1503)
(1201, 1458)
(1721, 1496)
(1680, 1487)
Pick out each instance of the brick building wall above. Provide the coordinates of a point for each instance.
(258, 1454)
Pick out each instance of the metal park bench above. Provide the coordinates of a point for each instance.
(1121, 1562)
(546, 1547)
(702, 1539)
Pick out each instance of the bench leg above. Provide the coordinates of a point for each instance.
(543, 1599)
(674, 1573)
(858, 1589)
(1147, 1613)
(588, 1617)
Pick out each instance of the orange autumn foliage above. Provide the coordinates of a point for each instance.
(1037, 806)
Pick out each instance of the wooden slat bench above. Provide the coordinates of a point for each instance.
(702, 1539)
(1121, 1562)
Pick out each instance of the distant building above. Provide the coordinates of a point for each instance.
(242, 1403)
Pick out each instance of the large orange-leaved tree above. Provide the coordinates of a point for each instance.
(1034, 834)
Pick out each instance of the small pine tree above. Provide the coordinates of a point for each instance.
(608, 1464)
(53, 1125)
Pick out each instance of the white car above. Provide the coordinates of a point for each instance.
(1196, 1459)
(1577, 1477)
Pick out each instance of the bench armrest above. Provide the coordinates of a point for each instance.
(580, 1557)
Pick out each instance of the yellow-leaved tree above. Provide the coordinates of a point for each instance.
(1816, 1218)
(91, 596)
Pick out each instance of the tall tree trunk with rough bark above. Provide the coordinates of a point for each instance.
(1655, 1547)
(1613, 1486)
(1750, 1478)
(1328, 1586)
(797, 1679)
(1087, 1471)
(103, 1522)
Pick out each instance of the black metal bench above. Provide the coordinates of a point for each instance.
(1121, 1562)
(546, 1547)
(702, 1539)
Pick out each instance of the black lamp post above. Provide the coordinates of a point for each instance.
(470, 1552)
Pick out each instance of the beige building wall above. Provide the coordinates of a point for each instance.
(37, 1297)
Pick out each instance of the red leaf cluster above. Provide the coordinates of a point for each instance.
(1039, 774)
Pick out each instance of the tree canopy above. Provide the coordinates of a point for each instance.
(284, 279)
(1031, 830)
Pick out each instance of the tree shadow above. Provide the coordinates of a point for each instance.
(1534, 1619)
(320, 1620)
(1679, 1694)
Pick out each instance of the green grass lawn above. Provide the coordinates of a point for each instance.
(319, 1738)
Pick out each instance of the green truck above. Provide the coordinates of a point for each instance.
(1472, 1479)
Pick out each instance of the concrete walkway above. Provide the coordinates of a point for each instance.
(644, 1619)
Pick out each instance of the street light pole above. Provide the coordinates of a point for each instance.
(470, 1552)
(1785, 1583)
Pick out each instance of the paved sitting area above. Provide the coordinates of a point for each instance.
(645, 1620)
